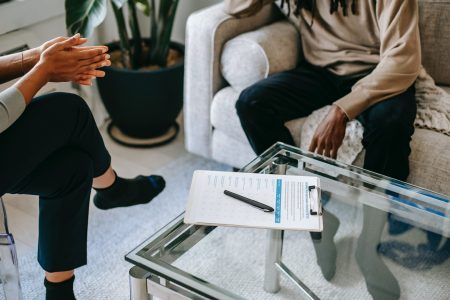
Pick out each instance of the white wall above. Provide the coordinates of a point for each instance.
(21, 13)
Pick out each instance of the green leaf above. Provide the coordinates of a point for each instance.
(143, 6)
(82, 16)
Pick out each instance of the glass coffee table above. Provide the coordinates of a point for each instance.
(382, 239)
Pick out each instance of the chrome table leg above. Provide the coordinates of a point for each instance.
(274, 245)
(274, 248)
(138, 284)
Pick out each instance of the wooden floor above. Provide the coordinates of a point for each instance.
(22, 210)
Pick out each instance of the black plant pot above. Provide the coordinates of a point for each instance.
(143, 105)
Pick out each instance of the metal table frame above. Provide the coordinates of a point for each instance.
(154, 276)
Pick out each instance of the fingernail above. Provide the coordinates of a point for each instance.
(107, 56)
(76, 36)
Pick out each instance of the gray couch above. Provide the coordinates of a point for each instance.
(212, 126)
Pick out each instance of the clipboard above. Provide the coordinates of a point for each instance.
(295, 200)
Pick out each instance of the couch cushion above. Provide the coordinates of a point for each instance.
(435, 38)
(255, 55)
(236, 153)
(430, 160)
(224, 116)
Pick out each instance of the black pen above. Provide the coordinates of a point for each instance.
(253, 203)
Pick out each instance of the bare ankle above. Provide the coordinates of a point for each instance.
(105, 180)
(56, 277)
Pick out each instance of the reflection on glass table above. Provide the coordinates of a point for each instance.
(382, 239)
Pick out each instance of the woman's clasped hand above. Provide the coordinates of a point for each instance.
(65, 59)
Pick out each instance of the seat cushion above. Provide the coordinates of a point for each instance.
(224, 117)
(236, 153)
(430, 160)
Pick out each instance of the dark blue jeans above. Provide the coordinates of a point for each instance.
(54, 150)
(264, 107)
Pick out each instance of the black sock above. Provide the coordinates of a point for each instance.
(59, 290)
(128, 192)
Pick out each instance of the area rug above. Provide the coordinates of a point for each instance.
(237, 262)
(233, 258)
(114, 233)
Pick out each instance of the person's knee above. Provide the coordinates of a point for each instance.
(394, 116)
(61, 110)
(76, 105)
(394, 130)
(63, 102)
(249, 101)
(65, 111)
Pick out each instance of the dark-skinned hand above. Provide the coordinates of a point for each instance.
(331, 132)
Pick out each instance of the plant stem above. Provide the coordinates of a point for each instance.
(123, 34)
(167, 32)
(137, 38)
(154, 33)
(161, 32)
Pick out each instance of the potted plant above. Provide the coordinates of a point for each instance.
(143, 89)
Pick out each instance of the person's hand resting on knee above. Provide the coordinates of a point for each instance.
(331, 132)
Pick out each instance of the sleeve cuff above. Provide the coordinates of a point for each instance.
(353, 103)
(12, 105)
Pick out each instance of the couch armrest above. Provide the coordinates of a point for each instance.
(255, 55)
(206, 33)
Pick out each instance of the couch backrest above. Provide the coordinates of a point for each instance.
(435, 37)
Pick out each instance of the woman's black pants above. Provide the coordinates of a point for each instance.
(388, 125)
(54, 150)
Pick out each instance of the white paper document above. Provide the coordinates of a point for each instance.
(295, 200)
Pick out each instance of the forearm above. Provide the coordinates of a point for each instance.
(30, 84)
(400, 58)
(14, 99)
(12, 66)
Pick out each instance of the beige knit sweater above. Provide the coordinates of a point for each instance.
(383, 37)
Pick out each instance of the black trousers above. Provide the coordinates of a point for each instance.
(264, 107)
(54, 150)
